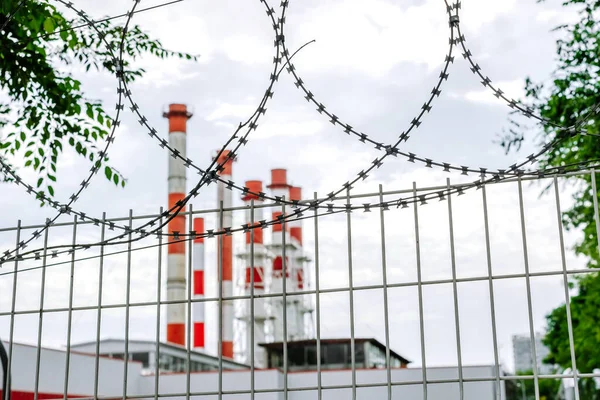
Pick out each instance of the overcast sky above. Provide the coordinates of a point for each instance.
(373, 64)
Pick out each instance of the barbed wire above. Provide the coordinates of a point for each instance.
(211, 174)
(298, 214)
(191, 235)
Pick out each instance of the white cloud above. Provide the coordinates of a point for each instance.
(235, 111)
(512, 89)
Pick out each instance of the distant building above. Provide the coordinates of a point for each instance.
(523, 354)
(335, 354)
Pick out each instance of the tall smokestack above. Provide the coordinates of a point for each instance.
(256, 321)
(198, 284)
(225, 195)
(176, 283)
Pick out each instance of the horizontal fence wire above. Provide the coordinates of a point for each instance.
(144, 266)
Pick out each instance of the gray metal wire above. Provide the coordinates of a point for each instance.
(321, 388)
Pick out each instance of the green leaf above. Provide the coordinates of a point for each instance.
(51, 190)
(23, 137)
(41, 151)
(17, 144)
(39, 182)
(28, 153)
(108, 172)
(49, 25)
(116, 179)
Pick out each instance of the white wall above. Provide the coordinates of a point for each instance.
(272, 379)
(81, 372)
(82, 369)
(209, 382)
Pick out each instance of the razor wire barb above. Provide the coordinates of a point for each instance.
(211, 174)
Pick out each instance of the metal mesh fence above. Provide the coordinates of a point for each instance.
(435, 290)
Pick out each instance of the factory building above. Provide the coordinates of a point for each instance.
(104, 376)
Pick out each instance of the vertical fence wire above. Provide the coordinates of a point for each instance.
(127, 304)
(595, 202)
(99, 311)
(420, 293)
(351, 294)
(158, 301)
(488, 252)
(528, 287)
(318, 302)
(36, 385)
(11, 334)
(251, 320)
(284, 298)
(566, 287)
(461, 388)
(220, 299)
(386, 321)
(190, 275)
(70, 311)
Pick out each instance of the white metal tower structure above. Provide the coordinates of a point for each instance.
(255, 259)
(301, 305)
(281, 239)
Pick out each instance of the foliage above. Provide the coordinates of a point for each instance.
(46, 109)
(585, 316)
(548, 388)
(570, 98)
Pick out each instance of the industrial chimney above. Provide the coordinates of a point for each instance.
(225, 248)
(176, 283)
(198, 284)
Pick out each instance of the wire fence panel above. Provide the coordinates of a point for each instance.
(414, 302)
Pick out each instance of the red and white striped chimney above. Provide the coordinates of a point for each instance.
(176, 282)
(226, 196)
(298, 277)
(198, 309)
(256, 321)
(296, 235)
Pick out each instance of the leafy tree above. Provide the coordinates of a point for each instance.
(573, 93)
(46, 109)
(548, 388)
